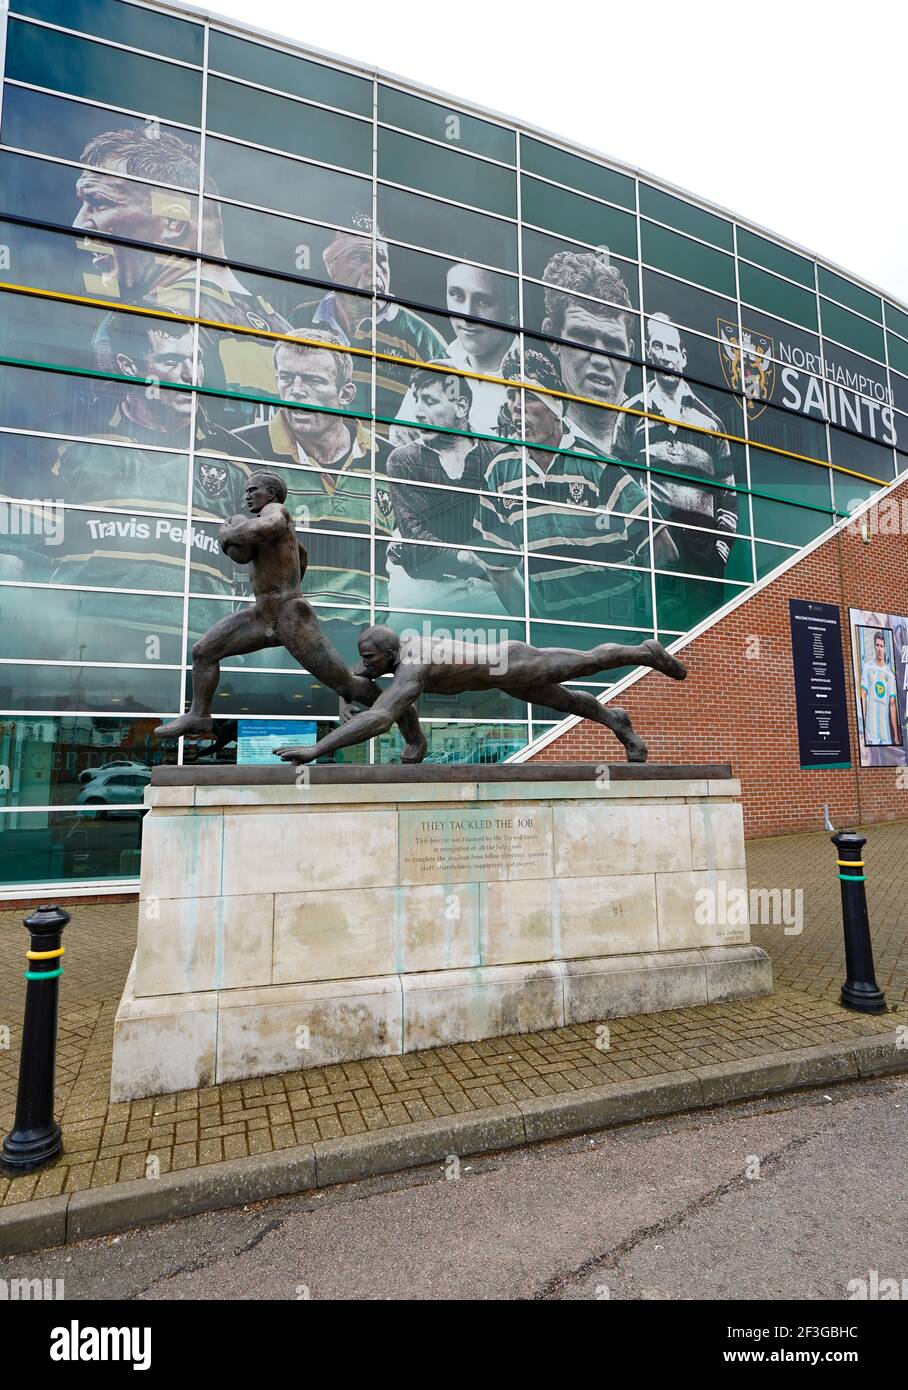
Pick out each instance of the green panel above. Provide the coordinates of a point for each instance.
(898, 353)
(854, 332)
(108, 19)
(682, 602)
(558, 211)
(680, 256)
(847, 293)
(896, 319)
(36, 847)
(442, 123)
(288, 73)
(773, 257)
(789, 478)
(582, 174)
(108, 75)
(265, 119)
(685, 217)
(849, 491)
(447, 173)
(775, 521)
(778, 296)
(770, 557)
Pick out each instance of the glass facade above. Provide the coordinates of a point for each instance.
(513, 390)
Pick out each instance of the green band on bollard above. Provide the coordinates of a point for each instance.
(853, 878)
(42, 974)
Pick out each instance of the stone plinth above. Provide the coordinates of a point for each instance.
(371, 911)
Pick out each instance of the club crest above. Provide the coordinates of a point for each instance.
(749, 369)
(384, 503)
(577, 492)
(213, 479)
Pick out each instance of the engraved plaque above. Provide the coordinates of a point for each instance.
(475, 844)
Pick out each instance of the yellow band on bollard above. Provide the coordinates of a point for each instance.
(850, 863)
(45, 955)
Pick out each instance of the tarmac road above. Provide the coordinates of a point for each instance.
(787, 1197)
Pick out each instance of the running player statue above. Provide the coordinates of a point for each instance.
(280, 617)
(442, 667)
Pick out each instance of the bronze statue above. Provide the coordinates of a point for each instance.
(267, 542)
(440, 666)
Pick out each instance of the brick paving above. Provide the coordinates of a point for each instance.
(108, 1143)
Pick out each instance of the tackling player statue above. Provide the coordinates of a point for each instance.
(443, 667)
(267, 542)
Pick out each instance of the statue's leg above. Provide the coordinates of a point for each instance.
(298, 629)
(234, 635)
(551, 664)
(576, 702)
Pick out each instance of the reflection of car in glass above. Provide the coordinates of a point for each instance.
(114, 787)
(115, 764)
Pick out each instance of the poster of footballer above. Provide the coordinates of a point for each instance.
(879, 646)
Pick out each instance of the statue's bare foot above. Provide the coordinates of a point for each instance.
(414, 752)
(296, 753)
(634, 745)
(664, 661)
(187, 726)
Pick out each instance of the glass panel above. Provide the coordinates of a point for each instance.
(61, 404)
(560, 589)
(770, 557)
(773, 257)
(441, 123)
(714, 555)
(446, 173)
(453, 231)
(686, 217)
(73, 130)
(583, 174)
(846, 327)
(273, 242)
(436, 514)
(682, 602)
(128, 24)
(668, 251)
(849, 492)
(45, 58)
(222, 749)
(66, 625)
(278, 694)
(857, 393)
(459, 743)
(288, 73)
(898, 353)
(686, 305)
(51, 761)
(265, 119)
(440, 578)
(41, 847)
(462, 288)
(540, 249)
(861, 455)
(896, 319)
(785, 430)
(579, 218)
(778, 296)
(847, 293)
(790, 347)
(56, 688)
(105, 475)
(788, 478)
(796, 525)
(269, 180)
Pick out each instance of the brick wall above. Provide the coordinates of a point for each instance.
(742, 711)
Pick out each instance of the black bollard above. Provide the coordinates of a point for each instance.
(860, 990)
(35, 1137)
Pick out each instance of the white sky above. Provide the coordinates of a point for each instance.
(788, 112)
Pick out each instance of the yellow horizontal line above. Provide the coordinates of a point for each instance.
(851, 863)
(45, 955)
(217, 324)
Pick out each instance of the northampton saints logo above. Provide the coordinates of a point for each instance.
(749, 369)
(213, 479)
(576, 492)
(384, 503)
